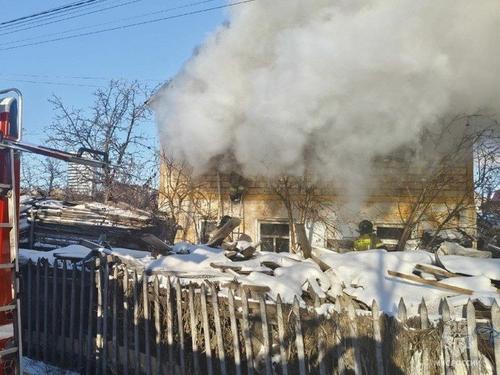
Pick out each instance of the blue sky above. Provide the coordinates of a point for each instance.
(151, 53)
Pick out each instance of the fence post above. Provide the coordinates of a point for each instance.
(377, 336)
(234, 331)
(194, 331)
(495, 334)
(218, 331)
(299, 340)
(474, 363)
(178, 299)
(265, 335)
(246, 332)
(281, 335)
(424, 324)
(206, 332)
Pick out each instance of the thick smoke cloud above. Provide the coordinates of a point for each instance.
(326, 86)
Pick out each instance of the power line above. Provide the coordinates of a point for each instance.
(52, 83)
(131, 25)
(48, 11)
(93, 78)
(111, 22)
(69, 18)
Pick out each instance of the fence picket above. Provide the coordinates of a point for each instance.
(495, 333)
(98, 344)
(63, 313)
(53, 355)
(90, 336)
(170, 337)
(299, 340)
(156, 292)
(178, 299)
(147, 338)
(265, 335)
(424, 324)
(81, 340)
(446, 338)
(377, 338)
(137, 358)
(29, 346)
(45, 310)
(125, 321)
(72, 320)
(474, 364)
(281, 336)
(234, 331)
(105, 311)
(246, 332)
(353, 327)
(206, 331)
(218, 331)
(37, 340)
(402, 314)
(115, 321)
(194, 331)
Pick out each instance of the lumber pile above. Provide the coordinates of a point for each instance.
(49, 224)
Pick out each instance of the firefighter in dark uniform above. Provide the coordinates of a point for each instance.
(367, 239)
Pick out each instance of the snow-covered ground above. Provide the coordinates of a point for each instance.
(362, 275)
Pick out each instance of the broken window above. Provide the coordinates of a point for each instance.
(389, 233)
(275, 237)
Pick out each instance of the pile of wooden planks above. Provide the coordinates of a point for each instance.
(53, 223)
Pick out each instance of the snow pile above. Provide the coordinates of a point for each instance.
(198, 262)
(364, 276)
(73, 251)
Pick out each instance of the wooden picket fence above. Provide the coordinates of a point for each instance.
(106, 317)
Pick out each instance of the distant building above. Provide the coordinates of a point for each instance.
(81, 179)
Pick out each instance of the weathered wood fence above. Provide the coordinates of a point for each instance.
(107, 318)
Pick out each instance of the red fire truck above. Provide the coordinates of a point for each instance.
(11, 146)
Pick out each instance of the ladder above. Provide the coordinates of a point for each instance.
(12, 352)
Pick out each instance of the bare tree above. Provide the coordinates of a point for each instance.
(114, 125)
(447, 154)
(182, 197)
(304, 204)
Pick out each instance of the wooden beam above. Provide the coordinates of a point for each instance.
(433, 283)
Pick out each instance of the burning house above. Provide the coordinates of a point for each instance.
(371, 107)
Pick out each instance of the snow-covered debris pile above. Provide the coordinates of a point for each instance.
(59, 223)
(386, 277)
(278, 273)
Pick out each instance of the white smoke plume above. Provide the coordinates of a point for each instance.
(325, 86)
